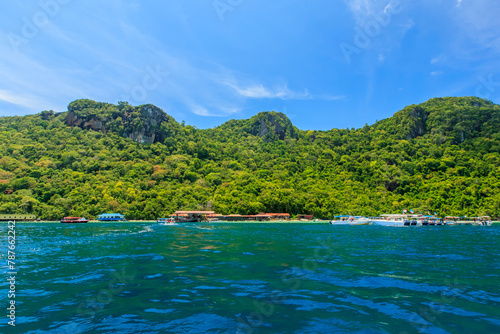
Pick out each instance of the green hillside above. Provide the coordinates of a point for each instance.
(442, 156)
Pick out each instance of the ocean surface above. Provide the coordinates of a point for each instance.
(252, 278)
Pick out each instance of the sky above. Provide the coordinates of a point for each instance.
(324, 63)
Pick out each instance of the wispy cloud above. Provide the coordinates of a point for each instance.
(479, 24)
(362, 9)
(258, 91)
(220, 112)
(199, 86)
(381, 25)
(436, 60)
(106, 57)
(20, 100)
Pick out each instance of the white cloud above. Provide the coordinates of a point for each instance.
(388, 7)
(258, 91)
(105, 58)
(221, 112)
(361, 9)
(479, 24)
(20, 100)
(435, 60)
(434, 73)
(364, 10)
(459, 2)
(201, 111)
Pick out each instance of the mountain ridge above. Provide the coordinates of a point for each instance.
(441, 155)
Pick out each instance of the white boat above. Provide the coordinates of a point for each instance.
(475, 221)
(166, 221)
(485, 221)
(430, 221)
(397, 220)
(352, 221)
(451, 220)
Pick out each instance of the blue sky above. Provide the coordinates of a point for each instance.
(326, 64)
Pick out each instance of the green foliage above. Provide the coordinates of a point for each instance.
(442, 155)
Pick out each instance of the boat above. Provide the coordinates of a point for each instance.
(451, 220)
(398, 220)
(166, 221)
(430, 221)
(74, 220)
(351, 220)
(485, 221)
(475, 221)
(111, 217)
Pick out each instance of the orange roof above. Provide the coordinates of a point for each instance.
(180, 215)
(195, 212)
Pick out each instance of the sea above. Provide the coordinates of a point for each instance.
(249, 278)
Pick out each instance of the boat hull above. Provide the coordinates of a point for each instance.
(74, 221)
(166, 221)
(352, 222)
(389, 223)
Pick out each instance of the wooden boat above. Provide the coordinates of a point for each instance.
(74, 220)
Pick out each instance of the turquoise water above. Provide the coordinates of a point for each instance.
(253, 278)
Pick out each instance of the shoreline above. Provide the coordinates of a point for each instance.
(180, 223)
(155, 222)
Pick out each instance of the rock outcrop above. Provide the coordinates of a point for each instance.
(144, 124)
(74, 120)
(271, 126)
(417, 122)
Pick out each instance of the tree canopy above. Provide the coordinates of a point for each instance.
(440, 156)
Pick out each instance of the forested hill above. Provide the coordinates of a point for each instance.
(442, 156)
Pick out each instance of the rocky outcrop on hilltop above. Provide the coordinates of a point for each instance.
(268, 125)
(271, 126)
(143, 124)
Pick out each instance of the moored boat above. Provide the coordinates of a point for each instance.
(474, 221)
(485, 221)
(166, 221)
(397, 220)
(430, 221)
(351, 220)
(111, 217)
(74, 220)
(451, 220)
